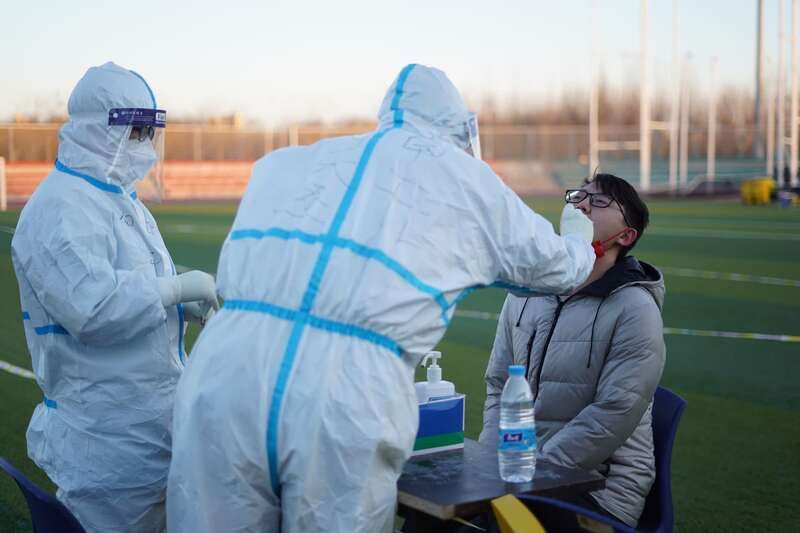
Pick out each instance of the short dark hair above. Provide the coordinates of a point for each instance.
(634, 209)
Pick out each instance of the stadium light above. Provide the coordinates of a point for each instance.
(644, 102)
(781, 133)
(676, 92)
(793, 106)
(684, 119)
(711, 156)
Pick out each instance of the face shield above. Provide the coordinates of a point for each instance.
(139, 137)
(474, 146)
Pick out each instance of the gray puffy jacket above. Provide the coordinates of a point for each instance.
(593, 360)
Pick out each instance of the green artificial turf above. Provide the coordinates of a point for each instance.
(737, 455)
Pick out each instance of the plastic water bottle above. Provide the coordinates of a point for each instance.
(516, 448)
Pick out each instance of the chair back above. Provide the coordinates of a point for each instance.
(47, 513)
(658, 514)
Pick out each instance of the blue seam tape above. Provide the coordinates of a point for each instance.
(287, 361)
(54, 329)
(52, 404)
(279, 233)
(357, 248)
(398, 93)
(275, 405)
(147, 86)
(180, 318)
(103, 186)
(516, 288)
(333, 326)
(25, 315)
(180, 332)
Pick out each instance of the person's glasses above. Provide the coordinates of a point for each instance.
(140, 133)
(596, 199)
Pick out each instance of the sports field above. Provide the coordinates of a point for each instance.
(729, 269)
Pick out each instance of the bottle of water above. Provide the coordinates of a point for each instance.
(516, 448)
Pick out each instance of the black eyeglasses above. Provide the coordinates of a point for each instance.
(141, 133)
(596, 199)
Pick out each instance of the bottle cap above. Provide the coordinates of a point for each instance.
(516, 370)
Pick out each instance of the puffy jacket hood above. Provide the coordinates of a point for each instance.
(427, 98)
(87, 144)
(629, 272)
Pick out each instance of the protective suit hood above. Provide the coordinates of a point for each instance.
(429, 100)
(87, 144)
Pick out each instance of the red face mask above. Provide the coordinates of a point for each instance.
(599, 246)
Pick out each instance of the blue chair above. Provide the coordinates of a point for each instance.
(47, 513)
(658, 515)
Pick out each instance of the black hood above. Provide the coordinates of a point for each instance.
(629, 271)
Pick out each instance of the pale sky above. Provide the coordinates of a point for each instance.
(277, 62)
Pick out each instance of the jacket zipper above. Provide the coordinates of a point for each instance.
(547, 345)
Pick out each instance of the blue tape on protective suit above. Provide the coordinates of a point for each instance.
(52, 404)
(397, 117)
(51, 329)
(357, 248)
(332, 326)
(102, 185)
(180, 332)
(290, 353)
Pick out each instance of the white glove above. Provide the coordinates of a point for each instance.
(574, 222)
(192, 286)
(199, 312)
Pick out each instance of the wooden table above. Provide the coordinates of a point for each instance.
(462, 483)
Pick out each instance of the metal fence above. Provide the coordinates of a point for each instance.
(559, 152)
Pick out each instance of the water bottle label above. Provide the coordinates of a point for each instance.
(517, 440)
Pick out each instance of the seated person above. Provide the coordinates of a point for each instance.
(593, 358)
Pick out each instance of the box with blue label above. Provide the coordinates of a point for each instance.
(441, 425)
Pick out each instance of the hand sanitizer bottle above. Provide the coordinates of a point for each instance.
(435, 388)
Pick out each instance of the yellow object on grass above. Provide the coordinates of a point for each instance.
(757, 191)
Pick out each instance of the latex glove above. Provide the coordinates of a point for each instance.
(199, 312)
(192, 286)
(574, 222)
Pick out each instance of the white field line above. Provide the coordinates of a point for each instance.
(482, 315)
(17, 371)
(722, 234)
(729, 276)
(7, 229)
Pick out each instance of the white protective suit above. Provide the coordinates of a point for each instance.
(343, 267)
(106, 353)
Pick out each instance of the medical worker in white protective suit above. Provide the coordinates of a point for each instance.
(343, 267)
(98, 291)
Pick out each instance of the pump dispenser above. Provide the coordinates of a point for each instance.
(435, 388)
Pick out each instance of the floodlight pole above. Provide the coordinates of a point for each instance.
(770, 170)
(644, 102)
(3, 198)
(711, 158)
(781, 133)
(673, 122)
(758, 141)
(793, 107)
(684, 120)
(594, 125)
